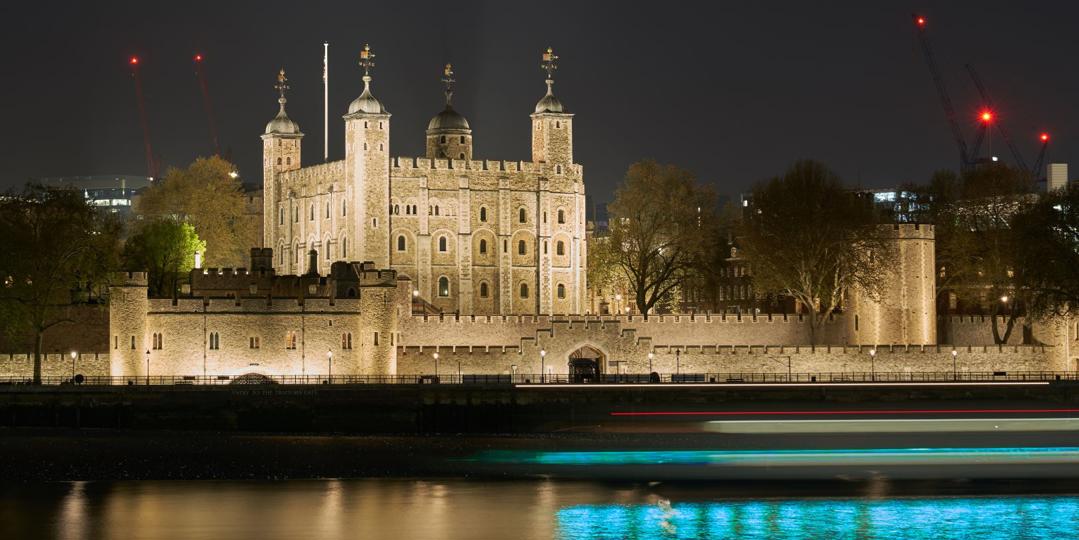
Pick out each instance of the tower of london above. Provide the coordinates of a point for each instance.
(485, 237)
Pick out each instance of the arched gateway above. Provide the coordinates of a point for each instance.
(586, 364)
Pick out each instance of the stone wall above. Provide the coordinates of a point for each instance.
(724, 359)
(86, 331)
(54, 365)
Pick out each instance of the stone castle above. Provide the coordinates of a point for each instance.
(499, 248)
(475, 236)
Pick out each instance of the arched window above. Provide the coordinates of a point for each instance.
(561, 216)
(483, 247)
(442, 244)
(401, 243)
(561, 290)
(344, 208)
(443, 286)
(442, 139)
(521, 216)
(483, 214)
(483, 289)
(397, 209)
(558, 169)
(281, 217)
(344, 247)
(436, 209)
(278, 161)
(524, 290)
(312, 216)
(522, 248)
(461, 156)
(414, 211)
(560, 248)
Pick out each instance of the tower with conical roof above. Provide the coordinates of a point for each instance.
(280, 152)
(448, 133)
(552, 124)
(367, 173)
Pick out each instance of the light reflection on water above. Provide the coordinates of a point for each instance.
(475, 510)
(913, 518)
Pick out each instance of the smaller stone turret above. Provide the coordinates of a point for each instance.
(448, 134)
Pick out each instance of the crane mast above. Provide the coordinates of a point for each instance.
(942, 91)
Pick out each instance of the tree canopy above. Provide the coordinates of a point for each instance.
(57, 248)
(807, 237)
(658, 223)
(165, 248)
(1047, 256)
(206, 195)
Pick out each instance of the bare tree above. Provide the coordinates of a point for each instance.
(659, 219)
(807, 237)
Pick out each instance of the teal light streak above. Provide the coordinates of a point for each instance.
(751, 457)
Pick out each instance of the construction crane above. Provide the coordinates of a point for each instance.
(151, 163)
(200, 75)
(1039, 164)
(988, 101)
(965, 162)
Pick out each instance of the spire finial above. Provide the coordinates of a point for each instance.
(281, 87)
(549, 64)
(448, 80)
(367, 61)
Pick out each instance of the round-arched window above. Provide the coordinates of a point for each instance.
(443, 286)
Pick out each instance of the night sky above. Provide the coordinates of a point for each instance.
(731, 91)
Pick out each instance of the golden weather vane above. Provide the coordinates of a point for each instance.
(550, 62)
(367, 59)
(282, 83)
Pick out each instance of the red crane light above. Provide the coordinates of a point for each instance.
(1044, 137)
(134, 60)
(920, 21)
(986, 116)
(198, 58)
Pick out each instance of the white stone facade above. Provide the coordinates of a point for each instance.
(475, 236)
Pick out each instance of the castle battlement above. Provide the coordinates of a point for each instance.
(407, 164)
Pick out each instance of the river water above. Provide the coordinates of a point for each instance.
(537, 509)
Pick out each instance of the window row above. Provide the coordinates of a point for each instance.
(213, 341)
(484, 289)
(310, 214)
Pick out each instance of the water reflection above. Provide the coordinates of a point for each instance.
(440, 509)
(913, 518)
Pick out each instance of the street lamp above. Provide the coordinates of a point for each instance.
(436, 363)
(147, 367)
(872, 364)
(74, 355)
(329, 365)
(678, 361)
(513, 372)
(955, 365)
(543, 354)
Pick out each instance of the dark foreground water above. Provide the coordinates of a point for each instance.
(464, 509)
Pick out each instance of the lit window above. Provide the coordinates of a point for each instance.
(443, 286)
(561, 290)
(254, 342)
(290, 340)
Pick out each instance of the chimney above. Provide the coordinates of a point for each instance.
(1056, 177)
(312, 263)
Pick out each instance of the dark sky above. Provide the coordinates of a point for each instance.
(733, 92)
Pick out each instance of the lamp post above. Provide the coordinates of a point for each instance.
(147, 367)
(955, 365)
(513, 372)
(435, 355)
(74, 355)
(329, 366)
(678, 361)
(872, 364)
(460, 378)
(543, 354)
